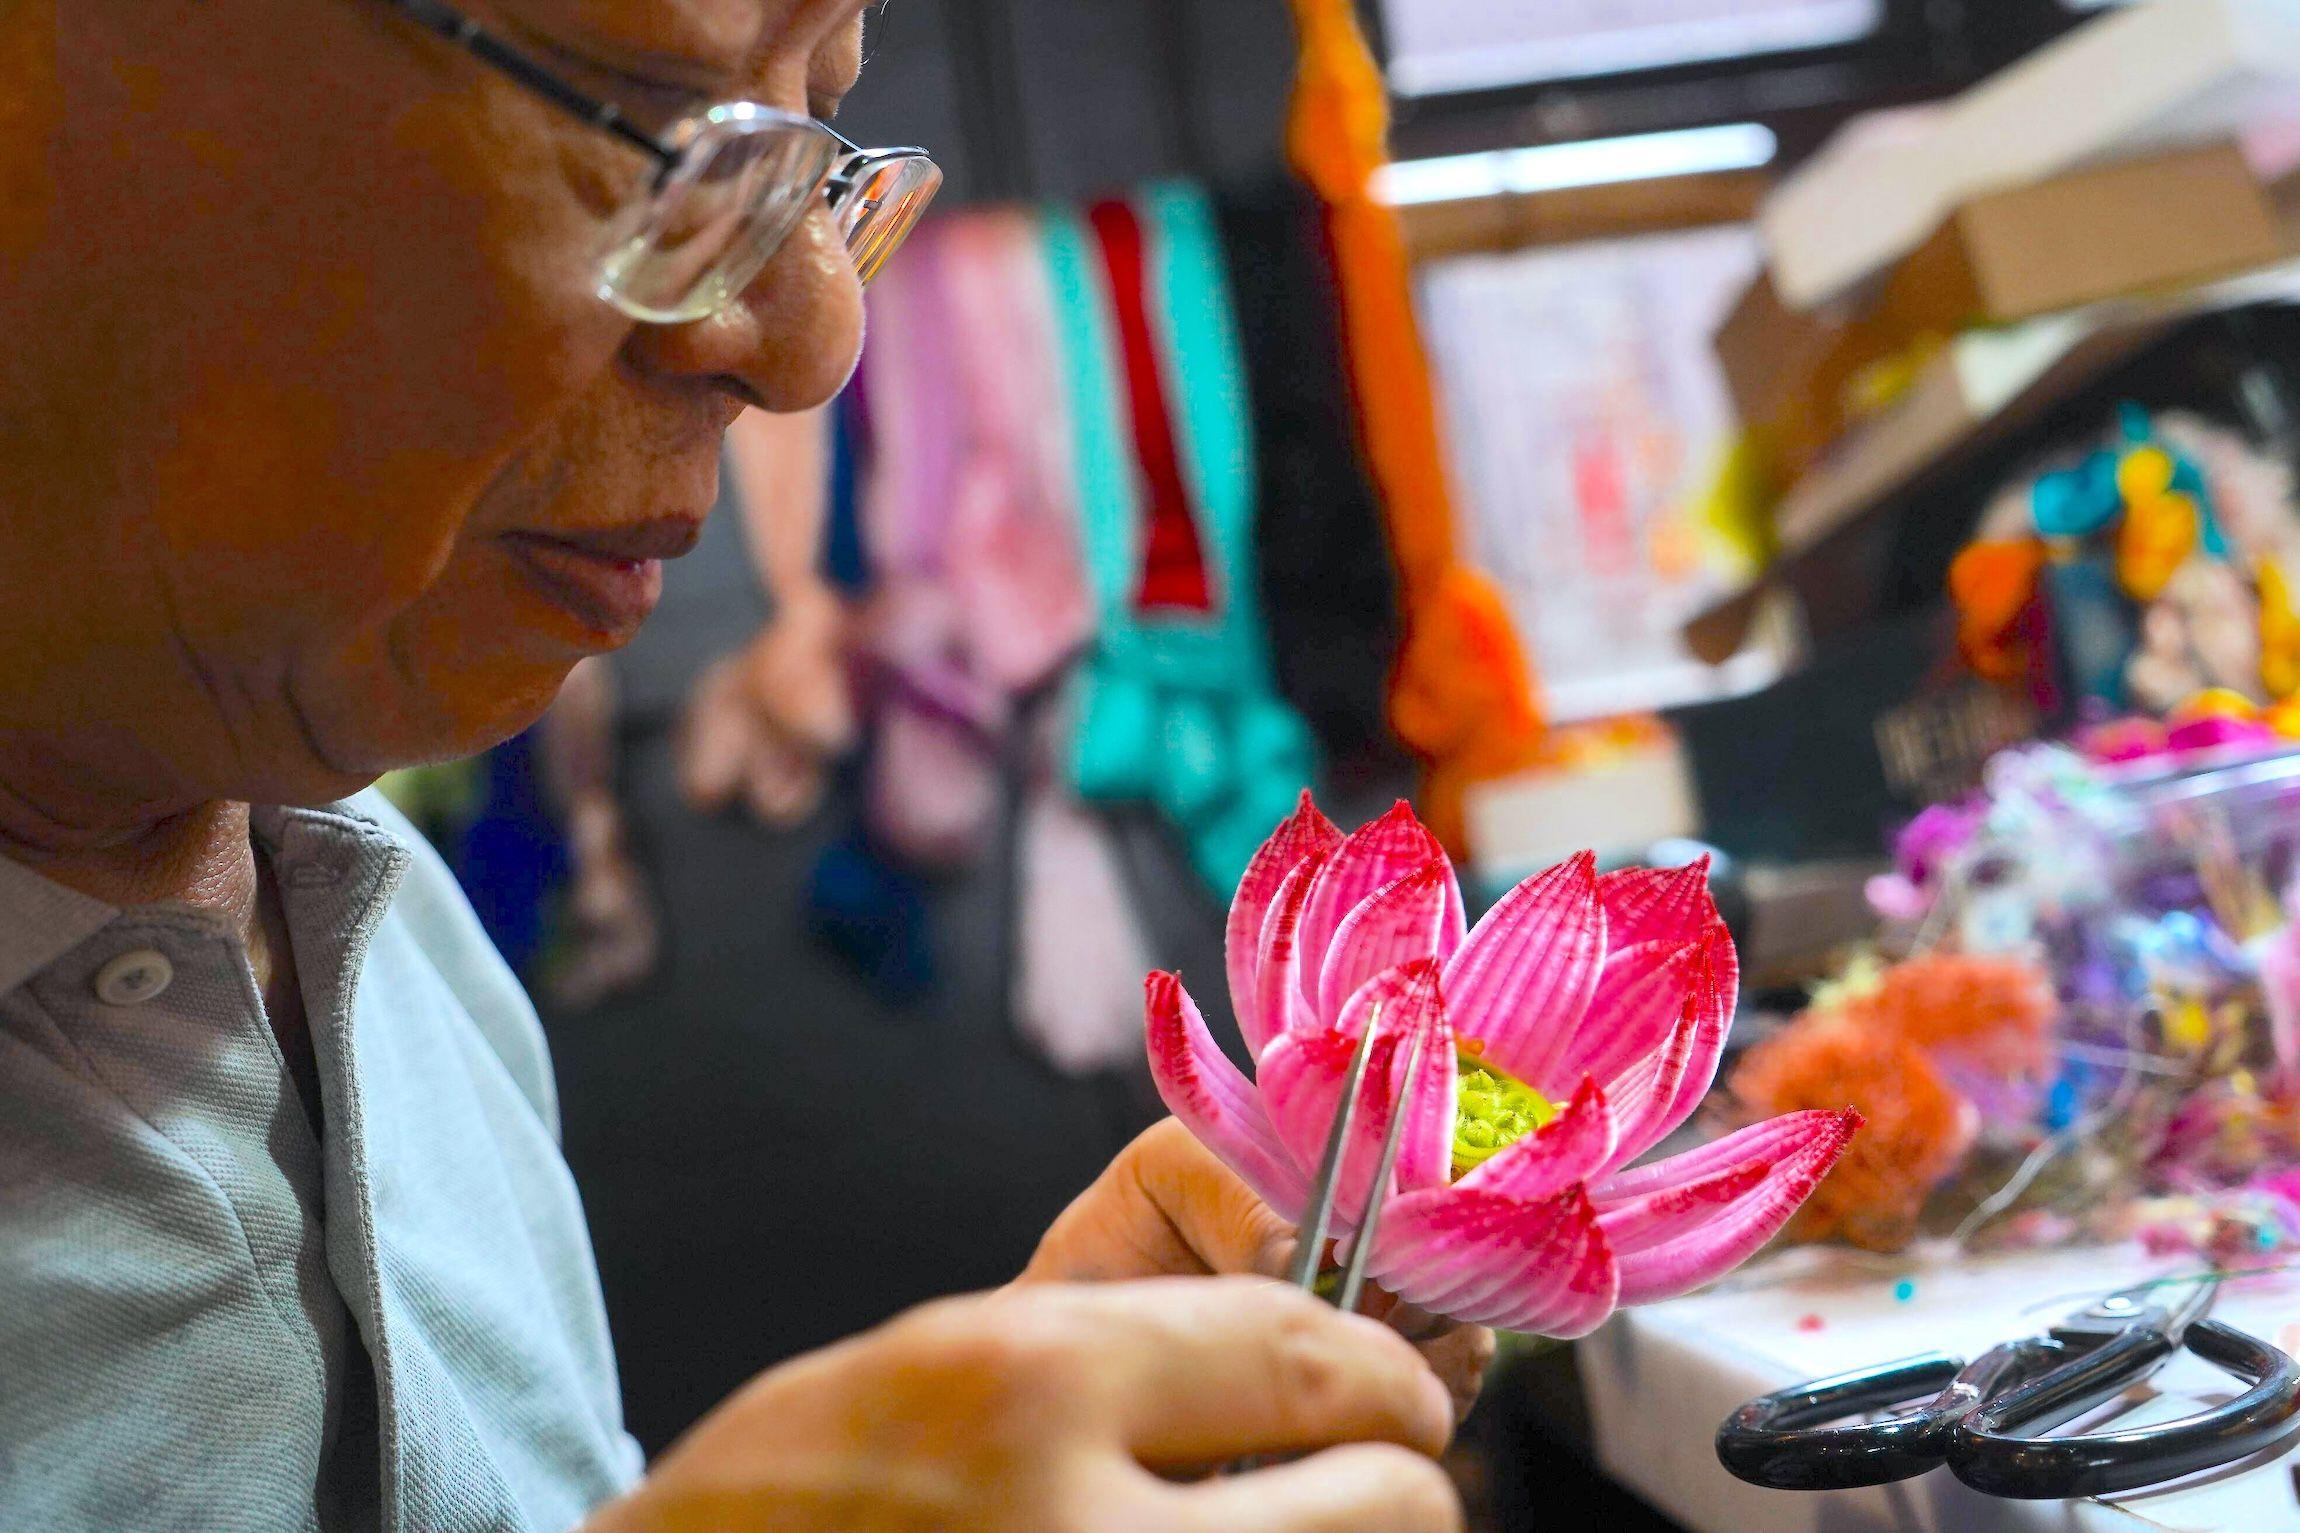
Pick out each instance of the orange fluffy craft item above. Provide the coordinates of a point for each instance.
(1919, 1127)
(1463, 696)
(1994, 585)
(1994, 1015)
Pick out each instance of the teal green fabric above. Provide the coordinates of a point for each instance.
(1178, 709)
(214, 1319)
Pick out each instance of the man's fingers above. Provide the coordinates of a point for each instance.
(1370, 1488)
(715, 741)
(1167, 1206)
(781, 784)
(1212, 1370)
(1224, 1224)
(1460, 1357)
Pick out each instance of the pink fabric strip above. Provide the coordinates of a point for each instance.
(915, 422)
(1016, 566)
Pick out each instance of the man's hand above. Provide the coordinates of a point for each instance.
(1072, 1409)
(1167, 1204)
(765, 725)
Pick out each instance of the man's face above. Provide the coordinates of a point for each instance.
(312, 428)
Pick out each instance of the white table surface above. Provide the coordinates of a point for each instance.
(1660, 1380)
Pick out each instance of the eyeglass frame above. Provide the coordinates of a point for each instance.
(847, 172)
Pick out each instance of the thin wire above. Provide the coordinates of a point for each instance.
(2091, 1054)
(2033, 1166)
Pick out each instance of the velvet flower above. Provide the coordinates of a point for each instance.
(1575, 1027)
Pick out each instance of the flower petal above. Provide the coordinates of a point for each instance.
(1303, 1073)
(1492, 1260)
(1580, 1295)
(1521, 982)
(1279, 1005)
(1719, 1005)
(1643, 1222)
(1641, 992)
(1571, 1147)
(1654, 1096)
(1657, 904)
(1400, 922)
(1303, 834)
(1721, 1241)
(1431, 1098)
(1370, 858)
(1645, 1094)
(1765, 1143)
(1214, 1100)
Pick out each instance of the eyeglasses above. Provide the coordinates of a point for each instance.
(730, 184)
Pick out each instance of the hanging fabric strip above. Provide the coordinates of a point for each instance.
(1463, 694)
(1327, 585)
(931, 785)
(1080, 951)
(843, 564)
(1014, 561)
(1173, 561)
(1175, 706)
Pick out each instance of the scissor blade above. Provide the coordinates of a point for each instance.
(2172, 1304)
(1354, 1275)
(1320, 1218)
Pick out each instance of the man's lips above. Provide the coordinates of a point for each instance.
(665, 537)
(607, 578)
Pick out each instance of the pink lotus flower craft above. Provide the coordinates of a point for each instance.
(1570, 1032)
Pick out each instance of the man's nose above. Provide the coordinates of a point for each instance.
(791, 338)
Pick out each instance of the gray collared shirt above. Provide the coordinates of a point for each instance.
(212, 1319)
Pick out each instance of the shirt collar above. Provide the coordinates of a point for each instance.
(41, 920)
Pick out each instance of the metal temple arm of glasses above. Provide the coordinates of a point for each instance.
(439, 17)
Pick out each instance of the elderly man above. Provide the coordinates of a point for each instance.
(359, 361)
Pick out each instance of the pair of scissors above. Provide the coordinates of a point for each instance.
(1979, 1415)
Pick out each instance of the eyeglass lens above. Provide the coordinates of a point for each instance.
(737, 193)
(883, 206)
(734, 197)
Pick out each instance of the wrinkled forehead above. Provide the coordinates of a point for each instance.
(747, 34)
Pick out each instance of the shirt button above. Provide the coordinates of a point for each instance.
(313, 875)
(134, 978)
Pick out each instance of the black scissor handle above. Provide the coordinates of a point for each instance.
(1777, 1441)
(1985, 1453)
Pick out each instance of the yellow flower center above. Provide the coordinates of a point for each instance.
(1496, 1111)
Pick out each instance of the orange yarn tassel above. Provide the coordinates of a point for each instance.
(1463, 697)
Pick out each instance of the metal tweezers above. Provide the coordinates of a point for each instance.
(1320, 1216)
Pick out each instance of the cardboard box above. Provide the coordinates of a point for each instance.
(1980, 389)
(1800, 378)
(1771, 354)
(2140, 80)
(2163, 221)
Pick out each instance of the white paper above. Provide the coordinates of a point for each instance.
(1438, 46)
(1586, 416)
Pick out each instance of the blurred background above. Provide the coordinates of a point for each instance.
(1671, 426)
